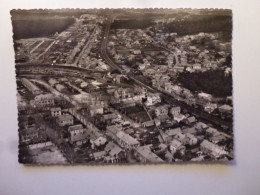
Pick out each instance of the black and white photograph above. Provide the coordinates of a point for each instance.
(123, 86)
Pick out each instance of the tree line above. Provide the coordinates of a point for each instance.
(213, 82)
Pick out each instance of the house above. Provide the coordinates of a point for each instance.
(225, 109)
(127, 103)
(141, 66)
(53, 82)
(163, 118)
(113, 130)
(43, 100)
(212, 131)
(161, 110)
(192, 48)
(28, 134)
(190, 130)
(212, 149)
(55, 111)
(170, 59)
(198, 159)
(145, 155)
(64, 120)
(148, 123)
(126, 141)
(164, 79)
(205, 96)
(175, 110)
(115, 152)
(149, 72)
(109, 116)
(171, 133)
(179, 117)
(76, 129)
(77, 134)
(182, 138)
(176, 89)
(178, 68)
(186, 93)
(191, 139)
(190, 120)
(218, 138)
(201, 126)
(157, 122)
(196, 66)
(168, 87)
(136, 52)
(210, 107)
(152, 99)
(177, 146)
(83, 84)
(95, 109)
(96, 138)
(99, 155)
(60, 87)
(189, 69)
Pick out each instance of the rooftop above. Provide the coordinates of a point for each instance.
(55, 109)
(75, 127)
(148, 154)
(47, 96)
(173, 132)
(127, 138)
(65, 117)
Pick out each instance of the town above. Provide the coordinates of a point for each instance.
(126, 86)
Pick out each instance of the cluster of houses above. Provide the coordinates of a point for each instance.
(188, 131)
(118, 140)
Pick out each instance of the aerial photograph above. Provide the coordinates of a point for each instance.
(123, 86)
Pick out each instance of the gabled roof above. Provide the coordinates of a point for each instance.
(191, 130)
(163, 117)
(95, 107)
(212, 130)
(200, 125)
(178, 108)
(225, 107)
(65, 117)
(75, 127)
(113, 129)
(110, 116)
(99, 154)
(112, 149)
(179, 116)
(215, 149)
(47, 96)
(78, 137)
(129, 140)
(175, 143)
(55, 109)
(148, 154)
(180, 136)
(93, 135)
(191, 119)
(173, 132)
